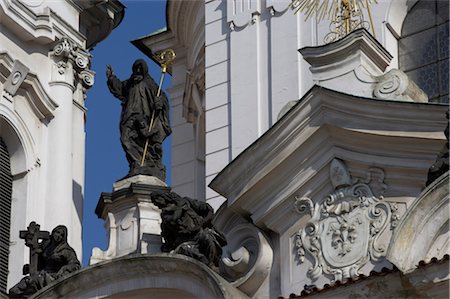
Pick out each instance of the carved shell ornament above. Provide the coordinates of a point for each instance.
(343, 233)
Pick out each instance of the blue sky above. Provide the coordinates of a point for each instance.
(105, 159)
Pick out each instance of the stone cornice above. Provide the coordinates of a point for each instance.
(179, 34)
(42, 28)
(324, 125)
(124, 197)
(338, 51)
(46, 26)
(186, 276)
(99, 18)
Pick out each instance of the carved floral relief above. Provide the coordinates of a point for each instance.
(344, 231)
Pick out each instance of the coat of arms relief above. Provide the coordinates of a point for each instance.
(343, 234)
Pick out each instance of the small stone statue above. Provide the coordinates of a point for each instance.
(187, 228)
(51, 258)
(144, 118)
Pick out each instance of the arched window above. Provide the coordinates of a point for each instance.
(5, 212)
(423, 47)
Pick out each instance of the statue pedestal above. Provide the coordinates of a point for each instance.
(132, 221)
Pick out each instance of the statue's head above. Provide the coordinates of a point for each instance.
(140, 69)
(59, 234)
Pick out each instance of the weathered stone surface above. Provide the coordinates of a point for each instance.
(343, 235)
(441, 165)
(360, 60)
(396, 86)
(144, 276)
(51, 258)
(293, 159)
(138, 179)
(132, 221)
(428, 281)
(423, 231)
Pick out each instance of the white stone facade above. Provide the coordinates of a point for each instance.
(252, 69)
(320, 152)
(44, 75)
(282, 110)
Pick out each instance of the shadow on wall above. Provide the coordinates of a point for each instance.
(77, 195)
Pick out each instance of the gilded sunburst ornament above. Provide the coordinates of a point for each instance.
(344, 15)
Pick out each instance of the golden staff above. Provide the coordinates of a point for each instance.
(166, 58)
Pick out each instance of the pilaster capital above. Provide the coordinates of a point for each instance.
(71, 64)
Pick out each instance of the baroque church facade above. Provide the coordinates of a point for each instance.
(45, 72)
(326, 162)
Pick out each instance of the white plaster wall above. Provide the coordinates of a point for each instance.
(217, 93)
(187, 97)
(67, 10)
(253, 69)
(183, 136)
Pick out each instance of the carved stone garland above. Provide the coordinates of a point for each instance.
(343, 232)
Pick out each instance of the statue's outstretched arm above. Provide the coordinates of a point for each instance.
(116, 87)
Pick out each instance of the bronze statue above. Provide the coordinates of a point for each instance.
(51, 258)
(144, 118)
(187, 228)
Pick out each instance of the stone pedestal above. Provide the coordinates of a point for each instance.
(132, 221)
(360, 61)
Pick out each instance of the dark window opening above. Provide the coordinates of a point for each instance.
(423, 48)
(5, 213)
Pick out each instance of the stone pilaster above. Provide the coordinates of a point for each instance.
(70, 69)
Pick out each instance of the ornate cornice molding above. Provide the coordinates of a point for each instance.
(40, 23)
(40, 102)
(241, 14)
(41, 27)
(335, 125)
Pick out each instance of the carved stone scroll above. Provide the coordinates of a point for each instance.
(247, 258)
(395, 85)
(69, 56)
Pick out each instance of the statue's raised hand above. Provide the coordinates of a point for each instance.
(109, 71)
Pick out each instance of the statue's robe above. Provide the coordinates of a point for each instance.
(139, 103)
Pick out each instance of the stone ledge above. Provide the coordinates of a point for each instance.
(138, 179)
(184, 277)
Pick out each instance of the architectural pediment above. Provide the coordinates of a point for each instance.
(293, 156)
(360, 60)
(322, 160)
